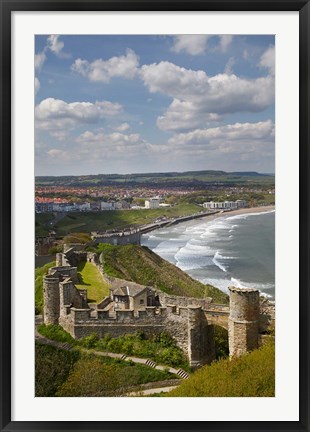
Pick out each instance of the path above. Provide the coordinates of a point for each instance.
(152, 391)
(146, 362)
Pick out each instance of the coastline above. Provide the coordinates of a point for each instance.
(209, 220)
(261, 209)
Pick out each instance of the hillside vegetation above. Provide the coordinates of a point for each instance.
(139, 264)
(115, 219)
(184, 178)
(252, 375)
(72, 373)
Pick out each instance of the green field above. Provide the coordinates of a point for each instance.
(118, 219)
(91, 279)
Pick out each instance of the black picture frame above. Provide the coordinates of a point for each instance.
(7, 7)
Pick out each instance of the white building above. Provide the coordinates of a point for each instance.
(152, 203)
(83, 207)
(224, 205)
(241, 203)
(106, 205)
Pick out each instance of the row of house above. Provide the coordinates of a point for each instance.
(114, 205)
(225, 205)
(42, 207)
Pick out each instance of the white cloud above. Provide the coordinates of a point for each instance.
(57, 115)
(103, 70)
(196, 96)
(197, 44)
(267, 60)
(225, 41)
(236, 138)
(39, 60)
(229, 66)
(57, 154)
(123, 127)
(182, 115)
(110, 147)
(54, 44)
(192, 44)
(36, 85)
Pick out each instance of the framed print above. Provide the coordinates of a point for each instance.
(154, 203)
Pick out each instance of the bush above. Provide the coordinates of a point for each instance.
(90, 341)
(52, 367)
(161, 348)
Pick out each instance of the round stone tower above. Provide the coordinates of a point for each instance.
(51, 299)
(243, 320)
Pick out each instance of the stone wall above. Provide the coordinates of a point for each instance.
(118, 239)
(169, 299)
(187, 325)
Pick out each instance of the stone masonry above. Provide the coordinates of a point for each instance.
(131, 307)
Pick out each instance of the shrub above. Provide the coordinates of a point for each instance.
(90, 341)
(52, 367)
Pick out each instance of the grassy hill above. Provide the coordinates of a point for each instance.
(187, 177)
(116, 219)
(252, 375)
(139, 264)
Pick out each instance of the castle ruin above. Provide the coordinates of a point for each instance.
(131, 307)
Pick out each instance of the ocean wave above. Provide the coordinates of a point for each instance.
(246, 215)
(217, 263)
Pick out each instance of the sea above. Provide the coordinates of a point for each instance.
(230, 250)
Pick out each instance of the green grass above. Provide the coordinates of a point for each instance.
(56, 333)
(252, 375)
(118, 219)
(39, 273)
(139, 264)
(91, 279)
(41, 219)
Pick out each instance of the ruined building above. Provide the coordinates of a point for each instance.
(131, 307)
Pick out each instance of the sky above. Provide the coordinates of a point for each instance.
(134, 103)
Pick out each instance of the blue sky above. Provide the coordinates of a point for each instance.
(126, 104)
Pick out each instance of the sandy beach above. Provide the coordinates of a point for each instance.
(260, 209)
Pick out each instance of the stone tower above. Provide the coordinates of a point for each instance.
(200, 338)
(51, 299)
(243, 320)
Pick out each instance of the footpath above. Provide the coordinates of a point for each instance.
(180, 373)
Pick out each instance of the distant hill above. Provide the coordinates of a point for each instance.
(139, 264)
(187, 178)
